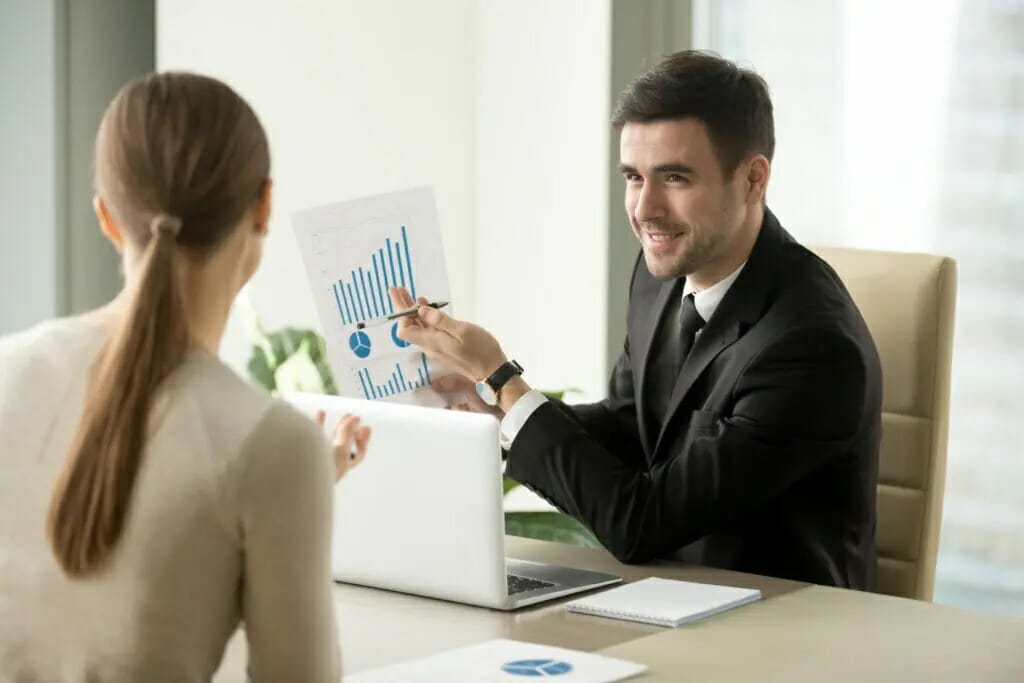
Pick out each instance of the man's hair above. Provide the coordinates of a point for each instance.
(732, 102)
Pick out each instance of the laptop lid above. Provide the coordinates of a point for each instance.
(423, 513)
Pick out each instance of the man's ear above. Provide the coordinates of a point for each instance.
(758, 172)
(108, 226)
(262, 213)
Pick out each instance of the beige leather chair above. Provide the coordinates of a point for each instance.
(908, 302)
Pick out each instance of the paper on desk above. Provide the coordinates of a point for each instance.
(504, 660)
(353, 251)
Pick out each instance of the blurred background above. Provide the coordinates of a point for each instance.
(900, 126)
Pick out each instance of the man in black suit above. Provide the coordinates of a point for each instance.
(743, 420)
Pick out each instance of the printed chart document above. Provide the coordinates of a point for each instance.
(664, 602)
(503, 661)
(353, 251)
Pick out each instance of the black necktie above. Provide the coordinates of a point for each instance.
(690, 323)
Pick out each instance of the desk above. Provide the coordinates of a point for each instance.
(797, 632)
(827, 634)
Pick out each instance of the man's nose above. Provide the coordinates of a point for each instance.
(649, 204)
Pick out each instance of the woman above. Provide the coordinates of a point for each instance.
(151, 498)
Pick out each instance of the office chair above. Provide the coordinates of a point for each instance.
(908, 302)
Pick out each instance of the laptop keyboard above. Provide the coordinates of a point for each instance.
(521, 584)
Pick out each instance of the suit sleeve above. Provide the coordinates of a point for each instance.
(797, 405)
(613, 421)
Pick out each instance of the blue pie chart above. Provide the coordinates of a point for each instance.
(400, 343)
(359, 342)
(537, 668)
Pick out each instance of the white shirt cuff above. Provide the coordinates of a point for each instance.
(518, 414)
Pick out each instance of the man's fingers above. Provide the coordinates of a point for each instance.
(439, 320)
(433, 341)
(451, 383)
(400, 297)
(414, 334)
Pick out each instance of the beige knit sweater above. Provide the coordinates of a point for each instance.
(230, 522)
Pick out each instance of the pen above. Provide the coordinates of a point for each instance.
(408, 311)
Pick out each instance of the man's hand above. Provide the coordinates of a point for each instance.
(460, 386)
(468, 348)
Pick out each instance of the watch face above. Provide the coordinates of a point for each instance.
(484, 391)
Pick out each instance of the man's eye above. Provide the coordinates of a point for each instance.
(633, 177)
(675, 178)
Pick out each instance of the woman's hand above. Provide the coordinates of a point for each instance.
(348, 445)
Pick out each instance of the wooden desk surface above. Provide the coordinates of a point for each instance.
(795, 630)
(826, 634)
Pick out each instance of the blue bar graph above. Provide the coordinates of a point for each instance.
(362, 295)
(396, 383)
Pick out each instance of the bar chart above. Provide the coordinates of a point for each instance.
(363, 294)
(397, 383)
(353, 252)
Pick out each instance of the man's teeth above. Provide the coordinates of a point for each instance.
(659, 237)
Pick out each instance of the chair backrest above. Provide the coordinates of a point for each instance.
(908, 302)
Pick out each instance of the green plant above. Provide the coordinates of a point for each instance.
(294, 359)
(291, 360)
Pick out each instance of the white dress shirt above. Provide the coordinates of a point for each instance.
(705, 300)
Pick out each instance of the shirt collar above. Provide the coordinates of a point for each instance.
(707, 300)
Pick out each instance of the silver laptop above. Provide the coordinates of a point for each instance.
(423, 513)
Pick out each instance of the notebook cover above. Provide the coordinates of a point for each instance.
(664, 602)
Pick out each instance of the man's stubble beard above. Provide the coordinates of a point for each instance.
(701, 248)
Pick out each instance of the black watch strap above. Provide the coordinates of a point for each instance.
(503, 374)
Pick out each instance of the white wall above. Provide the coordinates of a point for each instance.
(542, 168)
(501, 105)
(357, 98)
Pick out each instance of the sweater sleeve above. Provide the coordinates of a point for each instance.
(286, 515)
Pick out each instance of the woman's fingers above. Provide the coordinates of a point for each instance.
(349, 444)
(362, 439)
(345, 432)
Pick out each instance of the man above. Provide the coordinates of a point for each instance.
(743, 419)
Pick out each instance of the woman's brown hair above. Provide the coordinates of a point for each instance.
(179, 161)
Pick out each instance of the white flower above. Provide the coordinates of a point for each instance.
(299, 373)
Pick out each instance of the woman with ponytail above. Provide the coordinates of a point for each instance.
(152, 500)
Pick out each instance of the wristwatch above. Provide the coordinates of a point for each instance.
(488, 389)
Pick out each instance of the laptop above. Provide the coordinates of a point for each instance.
(423, 513)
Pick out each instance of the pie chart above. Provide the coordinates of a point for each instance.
(537, 668)
(400, 343)
(359, 342)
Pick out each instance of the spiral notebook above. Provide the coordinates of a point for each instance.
(664, 602)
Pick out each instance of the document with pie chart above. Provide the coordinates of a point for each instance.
(504, 660)
(353, 251)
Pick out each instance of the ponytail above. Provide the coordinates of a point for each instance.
(93, 492)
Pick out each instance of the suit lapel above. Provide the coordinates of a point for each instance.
(647, 326)
(715, 338)
(742, 306)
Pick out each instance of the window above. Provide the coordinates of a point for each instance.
(901, 126)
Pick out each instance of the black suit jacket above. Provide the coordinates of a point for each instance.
(767, 460)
